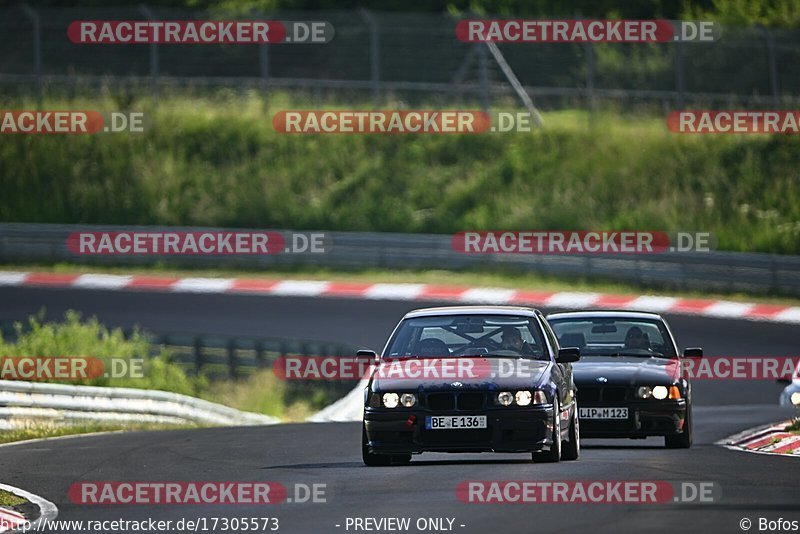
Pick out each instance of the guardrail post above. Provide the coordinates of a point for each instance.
(232, 359)
(590, 64)
(773, 65)
(483, 69)
(263, 62)
(259, 348)
(680, 82)
(374, 55)
(198, 355)
(153, 56)
(37, 49)
(263, 66)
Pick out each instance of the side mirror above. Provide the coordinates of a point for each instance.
(568, 355)
(371, 354)
(695, 352)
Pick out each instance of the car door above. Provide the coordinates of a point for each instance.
(562, 376)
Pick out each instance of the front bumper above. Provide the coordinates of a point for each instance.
(507, 430)
(645, 419)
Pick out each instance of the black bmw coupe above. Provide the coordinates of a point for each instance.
(471, 379)
(629, 379)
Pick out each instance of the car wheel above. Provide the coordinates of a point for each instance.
(684, 439)
(572, 450)
(370, 459)
(554, 454)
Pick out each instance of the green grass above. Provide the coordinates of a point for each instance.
(79, 337)
(218, 162)
(9, 499)
(260, 392)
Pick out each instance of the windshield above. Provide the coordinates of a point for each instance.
(468, 335)
(605, 336)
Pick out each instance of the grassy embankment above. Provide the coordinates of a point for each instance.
(218, 162)
(261, 392)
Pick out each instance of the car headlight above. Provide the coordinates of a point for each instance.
(505, 398)
(523, 398)
(408, 399)
(795, 398)
(391, 400)
(660, 392)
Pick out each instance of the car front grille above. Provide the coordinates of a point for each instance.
(466, 401)
(601, 394)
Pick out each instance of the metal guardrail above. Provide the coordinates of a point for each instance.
(21, 402)
(705, 271)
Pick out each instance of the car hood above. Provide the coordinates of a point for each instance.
(487, 373)
(626, 370)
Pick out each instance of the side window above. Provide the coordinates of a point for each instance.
(551, 337)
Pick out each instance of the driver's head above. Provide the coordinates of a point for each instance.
(635, 339)
(511, 338)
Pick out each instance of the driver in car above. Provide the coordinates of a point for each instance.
(636, 339)
(512, 340)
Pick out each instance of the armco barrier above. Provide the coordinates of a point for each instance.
(707, 271)
(22, 402)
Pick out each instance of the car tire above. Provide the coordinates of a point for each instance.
(370, 459)
(572, 450)
(684, 439)
(554, 454)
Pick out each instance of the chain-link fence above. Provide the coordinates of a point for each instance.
(380, 57)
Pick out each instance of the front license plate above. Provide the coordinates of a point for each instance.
(455, 421)
(603, 413)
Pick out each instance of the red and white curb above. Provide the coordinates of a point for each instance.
(11, 520)
(414, 292)
(770, 439)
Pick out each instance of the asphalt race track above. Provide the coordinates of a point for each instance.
(753, 485)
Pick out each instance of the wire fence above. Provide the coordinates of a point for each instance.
(382, 57)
